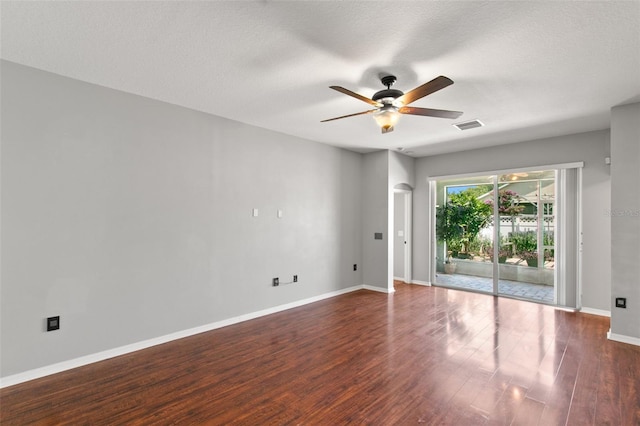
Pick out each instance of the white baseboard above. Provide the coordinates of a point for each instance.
(593, 311)
(622, 338)
(427, 283)
(37, 373)
(398, 279)
(378, 289)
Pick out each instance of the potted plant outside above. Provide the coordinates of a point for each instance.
(449, 266)
(449, 233)
(503, 255)
(531, 257)
(454, 245)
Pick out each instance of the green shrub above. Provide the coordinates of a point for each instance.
(524, 241)
(461, 219)
(477, 244)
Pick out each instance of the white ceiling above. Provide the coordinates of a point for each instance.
(526, 69)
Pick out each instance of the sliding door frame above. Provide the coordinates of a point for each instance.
(571, 240)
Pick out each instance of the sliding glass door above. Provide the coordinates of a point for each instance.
(501, 234)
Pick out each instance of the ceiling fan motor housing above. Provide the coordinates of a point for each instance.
(391, 94)
(388, 95)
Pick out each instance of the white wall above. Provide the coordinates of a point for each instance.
(131, 218)
(591, 148)
(625, 219)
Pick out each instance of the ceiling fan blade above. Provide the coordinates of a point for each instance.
(355, 95)
(424, 90)
(350, 115)
(428, 112)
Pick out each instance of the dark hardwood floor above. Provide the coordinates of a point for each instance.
(423, 355)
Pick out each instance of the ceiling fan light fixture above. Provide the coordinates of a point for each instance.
(390, 103)
(387, 116)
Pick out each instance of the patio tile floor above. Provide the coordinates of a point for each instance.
(537, 292)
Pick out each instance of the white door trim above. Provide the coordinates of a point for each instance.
(408, 236)
(408, 232)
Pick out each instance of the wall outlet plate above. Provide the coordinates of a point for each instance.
(276, 282)
(621, 302)
(53, 323)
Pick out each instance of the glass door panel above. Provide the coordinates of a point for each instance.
(464, 231)
(526, 234)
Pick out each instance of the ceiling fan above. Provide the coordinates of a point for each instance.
(390, 103)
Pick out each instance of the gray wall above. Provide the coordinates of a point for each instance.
(382, 171)
(625, 218)
(131, 218)
(375, 207)
(402, 175)
(592, 148)
(401, 170)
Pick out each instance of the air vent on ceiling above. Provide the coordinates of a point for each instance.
(469, 125)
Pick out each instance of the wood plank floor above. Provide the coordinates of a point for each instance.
(423, 355)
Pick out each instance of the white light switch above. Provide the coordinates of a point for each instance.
(279, 214)
(255, 212)
(400, 233)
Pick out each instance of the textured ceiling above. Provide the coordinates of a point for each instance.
(526, 69)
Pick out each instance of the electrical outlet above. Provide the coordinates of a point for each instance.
(276, 282)
(53, 323)
(355, 266)
(621, 302)
(295, 278)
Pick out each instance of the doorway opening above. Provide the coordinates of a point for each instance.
(402, 234)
